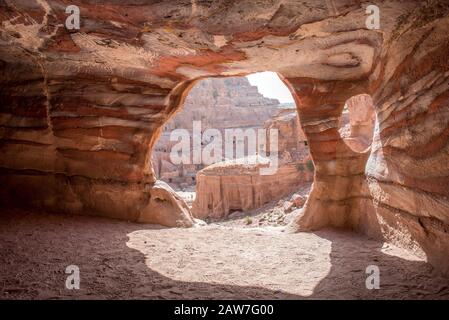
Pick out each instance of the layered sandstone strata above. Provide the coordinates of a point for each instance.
(221, 103)
(81, 110)
(241, 185)
(237, 185)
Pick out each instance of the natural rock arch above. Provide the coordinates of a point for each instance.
(79, 121)
(360, 118)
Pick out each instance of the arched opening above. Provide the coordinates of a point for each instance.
(356, 125)
(213, 151)
(81, 109)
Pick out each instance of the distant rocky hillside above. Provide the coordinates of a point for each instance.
(224, 103)
(218, 103)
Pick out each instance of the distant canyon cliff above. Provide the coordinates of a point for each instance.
(219, 103)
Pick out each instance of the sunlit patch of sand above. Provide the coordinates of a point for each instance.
(236, 256)
(123, 260)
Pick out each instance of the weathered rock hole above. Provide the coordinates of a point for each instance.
(357, 120)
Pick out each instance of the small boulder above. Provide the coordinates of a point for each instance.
(236, 215)
(298, 200)
(166, 208)
(199, 223)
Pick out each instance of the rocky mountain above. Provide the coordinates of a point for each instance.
(219, 103)
(224, 103)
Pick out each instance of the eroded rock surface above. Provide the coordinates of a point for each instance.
(238, 184)
(243, 185)
(81, 110)
(166, 208)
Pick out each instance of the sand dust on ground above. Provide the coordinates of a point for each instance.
(122, 260)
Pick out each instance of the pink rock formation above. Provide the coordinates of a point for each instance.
(234, 185)
(221, 103)
(224, 103)
(160, 208)
(82, 110)
(239, 185)
(298, 200)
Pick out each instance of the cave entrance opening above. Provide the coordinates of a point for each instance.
(235, 146)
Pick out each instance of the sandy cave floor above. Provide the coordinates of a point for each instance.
(123, 260)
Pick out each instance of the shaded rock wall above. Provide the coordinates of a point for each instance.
(396, 191)
(407, 172)
(82, 110)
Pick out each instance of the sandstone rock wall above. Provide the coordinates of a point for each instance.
(239, 185)
(394, 191)
(407, 171)
(224, 103)
(81, 110)
(235, 186)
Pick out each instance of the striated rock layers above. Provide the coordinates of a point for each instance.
(218, 103)
(224, 103)
(82, 109)
(239, 185)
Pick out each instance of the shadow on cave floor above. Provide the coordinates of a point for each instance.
(120, 260)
